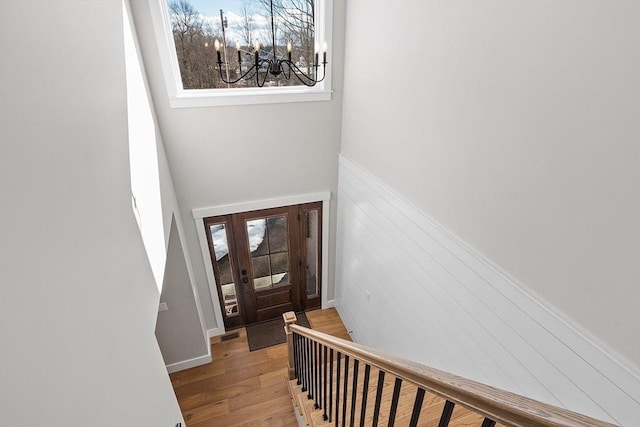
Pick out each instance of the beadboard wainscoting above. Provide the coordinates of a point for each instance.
(407, 286)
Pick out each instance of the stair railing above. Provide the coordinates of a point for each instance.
(320, 363)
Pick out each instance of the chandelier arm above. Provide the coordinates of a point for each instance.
(268, 65)
(286, 73)
(253, 74)
(310, 80)
(236, 80)
(324, 72)
(295, 68)
(309, 83)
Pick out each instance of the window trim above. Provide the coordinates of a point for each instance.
(179, 97)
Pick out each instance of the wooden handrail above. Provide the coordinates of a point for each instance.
(499, 405)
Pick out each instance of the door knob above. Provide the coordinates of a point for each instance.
(245, 280)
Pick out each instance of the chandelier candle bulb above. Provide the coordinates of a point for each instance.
(216, 44)
(289, 47)
(256, 46)
(324, 54)
(239, 56)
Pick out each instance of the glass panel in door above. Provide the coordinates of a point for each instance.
(267, 240)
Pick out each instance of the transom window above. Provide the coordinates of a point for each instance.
(200, 39)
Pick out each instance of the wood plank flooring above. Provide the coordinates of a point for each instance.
(243, 388)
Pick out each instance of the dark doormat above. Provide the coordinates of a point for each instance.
(271, 332)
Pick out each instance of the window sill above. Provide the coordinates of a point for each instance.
(217, 98)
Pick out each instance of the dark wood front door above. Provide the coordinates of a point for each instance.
(266, 262)
(268, 256)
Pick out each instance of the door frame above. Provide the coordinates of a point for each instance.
(200, 213)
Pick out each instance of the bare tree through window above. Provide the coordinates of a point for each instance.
(247, 23)
(195, 32)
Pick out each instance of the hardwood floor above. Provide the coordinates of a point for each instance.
(243, 388)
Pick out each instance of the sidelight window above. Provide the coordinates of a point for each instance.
(223, 267)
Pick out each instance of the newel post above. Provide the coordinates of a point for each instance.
(290, 319)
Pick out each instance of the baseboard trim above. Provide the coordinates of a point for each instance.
(330, 304)
(215, 332)
(190, 363)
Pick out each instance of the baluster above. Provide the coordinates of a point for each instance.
(376, 409)
(303, 352)
(324, 382)
(345, 389)
(312, 371)
(307, 343)
(301, 360)
(330, 384)
(354, 385)
(417, 407)
(394, 402)
(319, 378)
(488, 423)
(300, 354)
(296, 365)
(365, 391)
(338, 357)
(309, 369)
(320, 371)
(295, 360)
(446, 413)
(315, 374)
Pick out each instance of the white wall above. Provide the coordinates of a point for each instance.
(178, 329)
(143, 157)
(224, 155)
(180, 287)
(515, 125)
(408, 287)
(79, 300)
(180, 332)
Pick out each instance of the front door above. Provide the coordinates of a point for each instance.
(268, 259)
(266, 262)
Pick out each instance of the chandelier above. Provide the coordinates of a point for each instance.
(271, 65)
